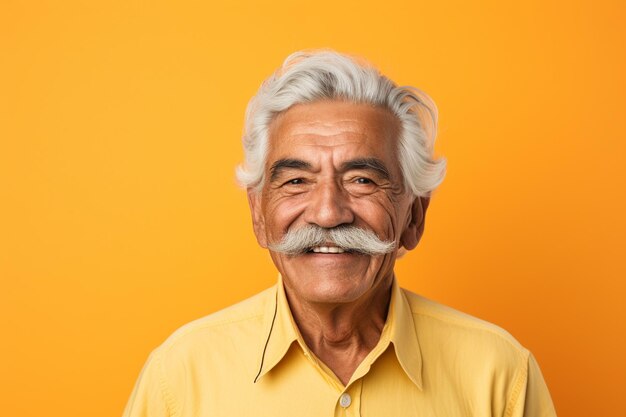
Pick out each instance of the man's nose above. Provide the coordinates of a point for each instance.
(329, 205)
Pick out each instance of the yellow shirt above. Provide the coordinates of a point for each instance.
(250, 360)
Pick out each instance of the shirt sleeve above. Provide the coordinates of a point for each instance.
(533, 399)
(149, 397)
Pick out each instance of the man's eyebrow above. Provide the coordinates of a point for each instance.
(282, 164)
(367, 163)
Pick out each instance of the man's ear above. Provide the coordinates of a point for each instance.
(258, 221)
(415, 228)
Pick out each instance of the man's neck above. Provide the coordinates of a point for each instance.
(341, 335)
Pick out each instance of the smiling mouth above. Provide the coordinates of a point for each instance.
(327, 249)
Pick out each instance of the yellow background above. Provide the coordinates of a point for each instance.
(120, 125)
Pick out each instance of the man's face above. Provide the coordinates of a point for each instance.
(334, 163)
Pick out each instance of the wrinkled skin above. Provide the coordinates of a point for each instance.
(322, 188)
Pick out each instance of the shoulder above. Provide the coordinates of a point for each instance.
(238, 325)
(478, 359)
(461, 332)
(205, 352)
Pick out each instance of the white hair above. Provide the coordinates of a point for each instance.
(327, 75)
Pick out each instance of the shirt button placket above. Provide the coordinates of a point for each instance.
(349, 402)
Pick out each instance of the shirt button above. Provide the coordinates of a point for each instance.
(345, 400)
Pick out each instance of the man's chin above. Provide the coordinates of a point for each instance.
(330, 290)
(328, 278)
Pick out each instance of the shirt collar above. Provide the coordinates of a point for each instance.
(399, 330)
(280, 331)
(403, 334)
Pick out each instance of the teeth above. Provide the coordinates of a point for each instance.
(327, 249)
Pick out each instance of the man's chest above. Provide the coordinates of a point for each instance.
(297, 388)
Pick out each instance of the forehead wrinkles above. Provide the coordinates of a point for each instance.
(295, 128)
(327, 118)
(295, 131)
(332, 148)
(318, 144)
(334, 130)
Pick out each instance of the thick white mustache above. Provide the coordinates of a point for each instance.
(348, 238)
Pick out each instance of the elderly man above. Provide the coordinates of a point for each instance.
(339, 170)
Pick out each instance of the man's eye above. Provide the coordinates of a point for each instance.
(362, 180)
(295, 181)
